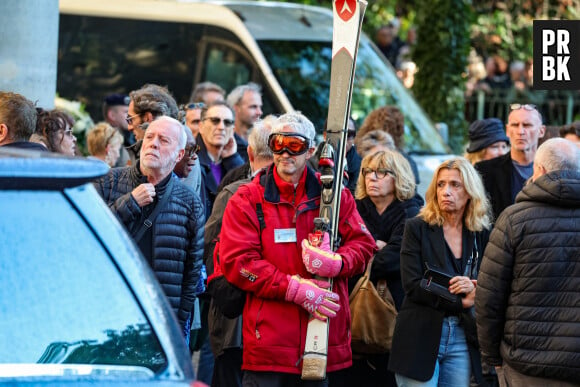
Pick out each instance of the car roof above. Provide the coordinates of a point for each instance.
(269, 20)
(263, 19)
(26, 169)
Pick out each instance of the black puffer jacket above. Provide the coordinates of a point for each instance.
(528, 290)
(177, 234)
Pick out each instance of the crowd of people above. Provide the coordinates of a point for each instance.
(212, 188)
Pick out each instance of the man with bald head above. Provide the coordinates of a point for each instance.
(504, 176)
(163, 216)
(527, 288)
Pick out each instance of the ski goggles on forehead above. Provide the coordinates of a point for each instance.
(293, 143)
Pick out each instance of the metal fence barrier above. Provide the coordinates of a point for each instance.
(558, 107)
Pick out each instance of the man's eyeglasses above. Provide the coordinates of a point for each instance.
(129, 119)
(191, 150)
(351, 134)
(217, 120)
(380, 173)
(293, 143)
(518, 106)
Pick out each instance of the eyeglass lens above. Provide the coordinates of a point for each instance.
(129, 119)
(380, 173)
(217, 120)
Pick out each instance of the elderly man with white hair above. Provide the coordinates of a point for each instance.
(163, 216)
(527, 291)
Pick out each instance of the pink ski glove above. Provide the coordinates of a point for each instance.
(311, 295)
(321, 260)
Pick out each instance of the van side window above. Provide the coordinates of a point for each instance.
(226, 66)
(98, 56)
(223, 59)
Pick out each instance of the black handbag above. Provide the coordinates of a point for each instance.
(437, 282)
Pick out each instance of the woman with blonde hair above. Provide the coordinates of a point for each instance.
(446, 241)
(104, 143)
(385, 198)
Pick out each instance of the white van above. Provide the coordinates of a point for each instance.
(110, 46)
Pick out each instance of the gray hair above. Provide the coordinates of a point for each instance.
(236, 95)
(258, 138)
(557, 154)
(374, 139)
(298, 123)
(182, 139)
(188, 134)
(197, 95)
(154, 99)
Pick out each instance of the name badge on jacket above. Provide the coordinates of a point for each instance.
(284, 235)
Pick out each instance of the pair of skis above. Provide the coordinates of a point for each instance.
(347, 24)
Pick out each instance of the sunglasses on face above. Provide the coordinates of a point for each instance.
(351, 134)
(191, 150)
(129, 119)
(293, 143)
(217, 120)
(527, 106)
(380, 173)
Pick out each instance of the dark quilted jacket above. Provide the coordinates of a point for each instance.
(177, 234)
(528, 290)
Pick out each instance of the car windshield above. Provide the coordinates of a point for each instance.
(62, 298)
(303, 70)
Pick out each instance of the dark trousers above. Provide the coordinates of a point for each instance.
(367, 371)
(277, 379)
(227, 369)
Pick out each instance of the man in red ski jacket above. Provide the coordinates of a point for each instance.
(265, 251)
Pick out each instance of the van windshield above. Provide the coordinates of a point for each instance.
(303, 70)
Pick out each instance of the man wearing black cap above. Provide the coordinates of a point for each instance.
(115, 108)
(487, 140)
(503, 177)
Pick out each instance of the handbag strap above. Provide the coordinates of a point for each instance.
(472, 260)
(148, 222)
(362, 280)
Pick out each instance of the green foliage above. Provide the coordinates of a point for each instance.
(504, 27)
(441, 57)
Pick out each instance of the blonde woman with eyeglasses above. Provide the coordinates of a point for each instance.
(104, 142)
(385, 198)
